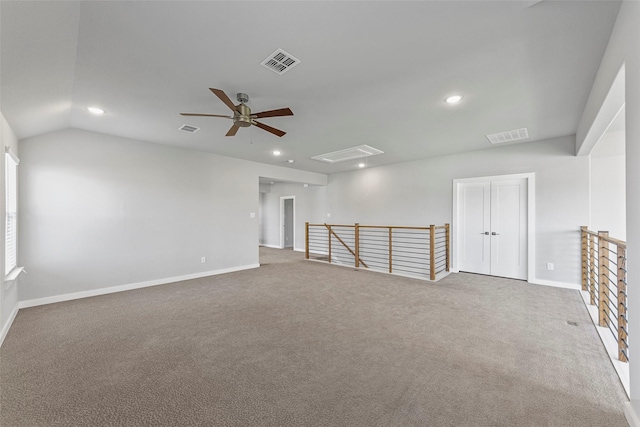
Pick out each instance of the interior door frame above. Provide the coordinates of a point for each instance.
(531, 217)
(282, 199)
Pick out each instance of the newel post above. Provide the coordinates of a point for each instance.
(585, 257)
(306, 240)
(447, 231)
(390, 249)
(357, 238)
(622, 303)
(593, 279)
(329, 230)
(603, 269)
(432, 252)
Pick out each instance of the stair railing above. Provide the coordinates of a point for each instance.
(604, 277)
(410, 251)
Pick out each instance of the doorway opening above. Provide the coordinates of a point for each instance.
(287, 222)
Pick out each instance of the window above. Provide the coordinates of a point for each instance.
(11, 192)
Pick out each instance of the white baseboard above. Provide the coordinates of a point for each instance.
(553, 283)
(128, 287)
(7, 325)
(534, 281)
(271, 246)
(631, 415)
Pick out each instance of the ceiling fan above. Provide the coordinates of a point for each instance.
(242, 116)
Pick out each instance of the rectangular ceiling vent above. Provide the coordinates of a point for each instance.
(190, 129)
(348, 154)
(280, 62)
(509, 136)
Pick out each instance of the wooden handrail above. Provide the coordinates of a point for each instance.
(437, 227)
(409, 227)
(616, 242)
(333, 225)
(606, 237)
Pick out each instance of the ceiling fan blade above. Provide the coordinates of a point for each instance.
(273, 113)
(205, 115)
(233, 130)
(223, 97)
(274, 131)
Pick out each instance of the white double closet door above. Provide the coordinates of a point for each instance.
(492, 221)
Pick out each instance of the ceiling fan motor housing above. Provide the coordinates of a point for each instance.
(243, 118)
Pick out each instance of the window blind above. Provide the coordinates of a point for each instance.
(11, 207)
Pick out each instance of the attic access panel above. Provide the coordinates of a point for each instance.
(348, 154)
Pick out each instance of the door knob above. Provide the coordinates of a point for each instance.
(495, 234)
(485, 233)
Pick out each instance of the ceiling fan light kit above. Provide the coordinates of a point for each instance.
(242, 116)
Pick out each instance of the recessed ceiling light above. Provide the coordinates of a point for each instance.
(290, 161)
(361, 165)
(276, 153)
(96, 110)
(453, 99)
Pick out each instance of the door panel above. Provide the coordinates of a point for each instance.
(509, 228)
(475, 209)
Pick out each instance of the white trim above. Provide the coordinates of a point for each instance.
(554, 284)
(531, 218)
(11, 154)
(630, 415)
(128, 287)
(7, 325)
(298, 249)
(13, 275)
(612, 104)
(282, 199)
(271, 246)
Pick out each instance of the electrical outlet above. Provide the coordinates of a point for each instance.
(203, 260)
(549, 266)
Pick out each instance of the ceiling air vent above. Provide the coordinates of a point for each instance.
(348, 154)
(280, 62)
(190, 129)
(509, 136)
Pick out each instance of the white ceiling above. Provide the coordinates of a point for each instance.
(374, 73)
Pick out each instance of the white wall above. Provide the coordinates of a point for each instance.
(608, 195)
(309, 207)
(8, 293)
(99, 211)
(420, 193)
(624, 50)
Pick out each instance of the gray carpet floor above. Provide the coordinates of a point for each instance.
(300, 343)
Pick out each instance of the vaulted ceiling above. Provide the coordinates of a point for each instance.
(374, 73)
